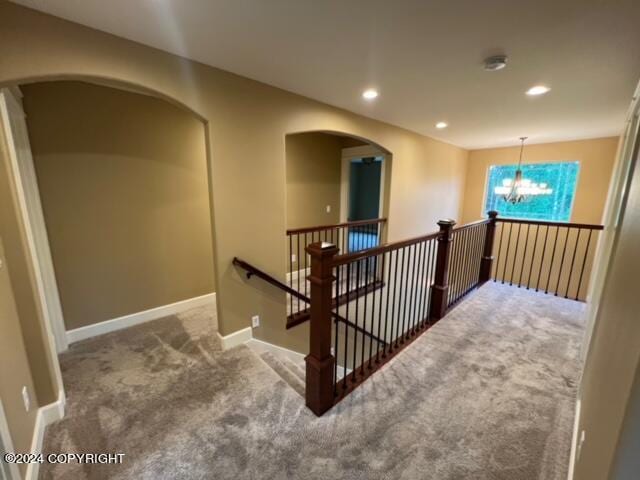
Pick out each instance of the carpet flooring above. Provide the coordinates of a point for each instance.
(488, 393)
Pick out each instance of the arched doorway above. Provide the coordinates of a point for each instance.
(337, 191)
(86, 219)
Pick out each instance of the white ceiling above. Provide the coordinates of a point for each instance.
(424, 56)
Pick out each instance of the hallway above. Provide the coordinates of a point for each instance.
(485, 394)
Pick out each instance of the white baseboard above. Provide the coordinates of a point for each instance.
(260, 346)
(119, 323)
(46, 415)
(293, 276)
(574, 441)
(236, 338)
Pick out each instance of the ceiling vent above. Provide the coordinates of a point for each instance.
(494, 63)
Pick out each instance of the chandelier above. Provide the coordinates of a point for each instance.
(520, 189)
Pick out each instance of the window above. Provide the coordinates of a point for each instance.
(560, 177)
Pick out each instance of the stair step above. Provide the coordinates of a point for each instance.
(297, 370)
(285, 372)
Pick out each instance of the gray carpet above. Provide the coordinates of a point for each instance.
(488, 393)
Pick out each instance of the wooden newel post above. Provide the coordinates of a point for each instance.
(487, 254)
(440, 286)
(320, 362)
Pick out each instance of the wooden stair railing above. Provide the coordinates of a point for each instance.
(424, 278)
(251, 270)
(552, 257)
(357, 326)
(348, 237)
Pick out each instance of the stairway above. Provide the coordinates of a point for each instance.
(292, 373)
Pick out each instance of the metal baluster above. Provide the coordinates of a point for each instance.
(553, 254)
(506, 260)
(544, 249)
(421, 284)
(373, 314)
(336, 334)
(584, 262)
(524, 255)
(355, 333)
(495, 276)
(395, 323)
(346, 330)
(533, 257)
(411, 278)
(383, 256)
(515, 255)
(291, 273)
(573, 259)
(564, 250)
(364, 315)
(389, 341)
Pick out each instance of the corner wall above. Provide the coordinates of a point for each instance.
(123, 184)
(247, 123)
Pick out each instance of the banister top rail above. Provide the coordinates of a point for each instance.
(316, 228)
(587, 226)
(251, 270)
(471, 224)
(387, 247)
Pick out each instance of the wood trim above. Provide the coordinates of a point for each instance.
(7, 445)
(251, 270)
(353, 257)
(6, 97)
(236, 338)
(586, 226)
(46, 415)
(293, 231)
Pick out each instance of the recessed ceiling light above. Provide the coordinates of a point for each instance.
(442, 125)
(538, 90)
(370, 94)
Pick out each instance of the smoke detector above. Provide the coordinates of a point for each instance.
(494, 63)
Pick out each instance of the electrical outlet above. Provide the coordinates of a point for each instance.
(26, 399)
(328, 208)
(255, 321)
(293, 258)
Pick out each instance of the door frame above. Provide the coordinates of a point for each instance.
(7, 445)
(349, 154)
(13, 124)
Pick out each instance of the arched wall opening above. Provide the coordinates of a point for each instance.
(123, 178)
(319, 167)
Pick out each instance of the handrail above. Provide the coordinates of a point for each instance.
(469, 225)
(251, 270)
(587, 226)
(336, 225)
(371, 252)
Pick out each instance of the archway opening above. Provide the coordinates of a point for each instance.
(120, 175)
(337, 191)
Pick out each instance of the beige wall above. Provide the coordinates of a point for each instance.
(14, 366)
(18, 260)
(313, 179)
(124, 190)
(613, 359)
(596, 157)
(247, 124)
